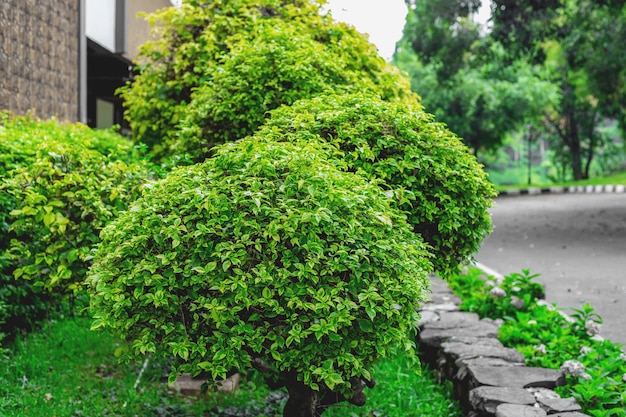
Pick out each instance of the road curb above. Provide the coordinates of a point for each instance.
(578, 189)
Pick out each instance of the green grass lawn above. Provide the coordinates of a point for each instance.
(401, 392)
(615, 179)
(66, 370)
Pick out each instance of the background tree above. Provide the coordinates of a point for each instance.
(518, 25)
(442, 32)
(551, 71)
(467, 80)
(592, 85)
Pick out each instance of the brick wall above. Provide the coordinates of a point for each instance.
(39, 57)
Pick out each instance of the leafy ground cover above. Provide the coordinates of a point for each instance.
(551, 338)
(65, 369)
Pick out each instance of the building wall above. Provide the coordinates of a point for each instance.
(138, 30)
(39, 57)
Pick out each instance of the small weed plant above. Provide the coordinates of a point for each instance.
(595, 368)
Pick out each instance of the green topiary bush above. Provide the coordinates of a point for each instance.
(267, 256)
(60, 184)
(219, 66)
(433, 176)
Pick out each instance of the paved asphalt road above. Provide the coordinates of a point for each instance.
(577, 242)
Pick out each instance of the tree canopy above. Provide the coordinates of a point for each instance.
(558, 67)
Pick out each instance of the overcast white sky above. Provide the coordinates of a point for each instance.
(382, 20)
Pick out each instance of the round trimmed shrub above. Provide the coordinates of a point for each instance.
(268, 256)
(433, 176)
(219, 66)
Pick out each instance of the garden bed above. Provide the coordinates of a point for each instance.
(559, 366)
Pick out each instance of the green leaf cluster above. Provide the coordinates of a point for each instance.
(426, 169)
(217, 67)
(516, 292)
(266, 253)
(60, 183)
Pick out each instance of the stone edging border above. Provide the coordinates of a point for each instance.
(620, 188)
(489, 380)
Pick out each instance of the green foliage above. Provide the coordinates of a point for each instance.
(219, 66)
(549, 338)
(264, 252)
(485, 99)
(60, 184)
(497, 298)
(20, 136)
(572, 40)
(428, 171)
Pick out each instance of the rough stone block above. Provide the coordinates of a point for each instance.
(520, 377)
(487, 399)
(427, 317)
(187, 385)
(444, 298)
(434, 337)
(559, 405)
(440, 307)
(479, 341)
(462, 364)
(517, 410)
(465, 351)
(574, 414)
(455, 320)
(452, 355)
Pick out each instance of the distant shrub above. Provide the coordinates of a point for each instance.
(268, 256)
(219, 66)
(60, 183)
(432, 175)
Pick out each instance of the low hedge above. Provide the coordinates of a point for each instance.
(60, 184)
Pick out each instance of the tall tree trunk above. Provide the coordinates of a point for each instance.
(576, 158)
(591, 132)
(573, 143)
